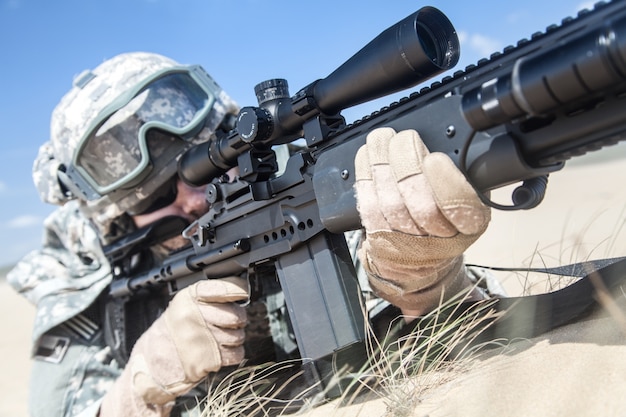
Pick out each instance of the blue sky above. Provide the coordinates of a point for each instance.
(43, 44)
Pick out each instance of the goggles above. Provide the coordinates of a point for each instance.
(114, 153)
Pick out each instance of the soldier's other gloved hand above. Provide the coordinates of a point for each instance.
(200, 331)
(420, 214)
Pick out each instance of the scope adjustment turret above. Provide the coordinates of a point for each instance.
(254, 124)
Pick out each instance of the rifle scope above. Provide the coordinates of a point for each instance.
(419, 47)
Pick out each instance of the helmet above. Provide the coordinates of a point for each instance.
(117, 135)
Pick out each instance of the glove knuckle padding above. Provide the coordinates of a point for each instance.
(226, 316)
(362, 170)
(366, 195)
(382, 134)
(454, 195)
(390, 199)
(407, 155)
(230, 343)
(228, 337)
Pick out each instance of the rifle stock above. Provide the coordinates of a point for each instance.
(517, 116)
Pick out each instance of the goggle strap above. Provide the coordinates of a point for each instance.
(76, 184)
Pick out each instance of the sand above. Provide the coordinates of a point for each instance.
(578, 370)
(16, 318)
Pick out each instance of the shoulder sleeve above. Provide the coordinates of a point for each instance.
(67, 274)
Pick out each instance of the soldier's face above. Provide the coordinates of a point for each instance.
(190, 203)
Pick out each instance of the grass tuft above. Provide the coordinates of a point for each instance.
(402, 368)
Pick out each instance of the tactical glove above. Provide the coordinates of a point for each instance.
(420, 214)
(200, 331)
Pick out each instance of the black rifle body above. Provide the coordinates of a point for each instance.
(516, 116)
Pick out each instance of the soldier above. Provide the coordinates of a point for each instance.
(110, 165)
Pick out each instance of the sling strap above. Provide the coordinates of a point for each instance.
(600, 287)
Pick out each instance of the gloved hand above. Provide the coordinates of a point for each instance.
(200, 331)
(420, 214)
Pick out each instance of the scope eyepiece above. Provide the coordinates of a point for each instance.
(437, 38)
(419, 47)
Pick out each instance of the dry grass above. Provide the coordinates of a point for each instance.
(254, 391)
(572, 247)
(401, 368)
(441, 346)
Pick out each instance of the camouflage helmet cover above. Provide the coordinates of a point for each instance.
(92, 92)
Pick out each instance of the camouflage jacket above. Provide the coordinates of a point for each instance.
(72, 367)
(64, 277)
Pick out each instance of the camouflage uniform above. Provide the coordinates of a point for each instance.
(72, 367)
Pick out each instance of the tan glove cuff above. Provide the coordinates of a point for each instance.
(412, 271)
(123, 400)
(409, 258)
(447, 279)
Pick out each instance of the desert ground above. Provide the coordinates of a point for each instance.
(578, 370)
(16, 316)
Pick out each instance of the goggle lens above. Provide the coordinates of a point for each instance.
(116, 150)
